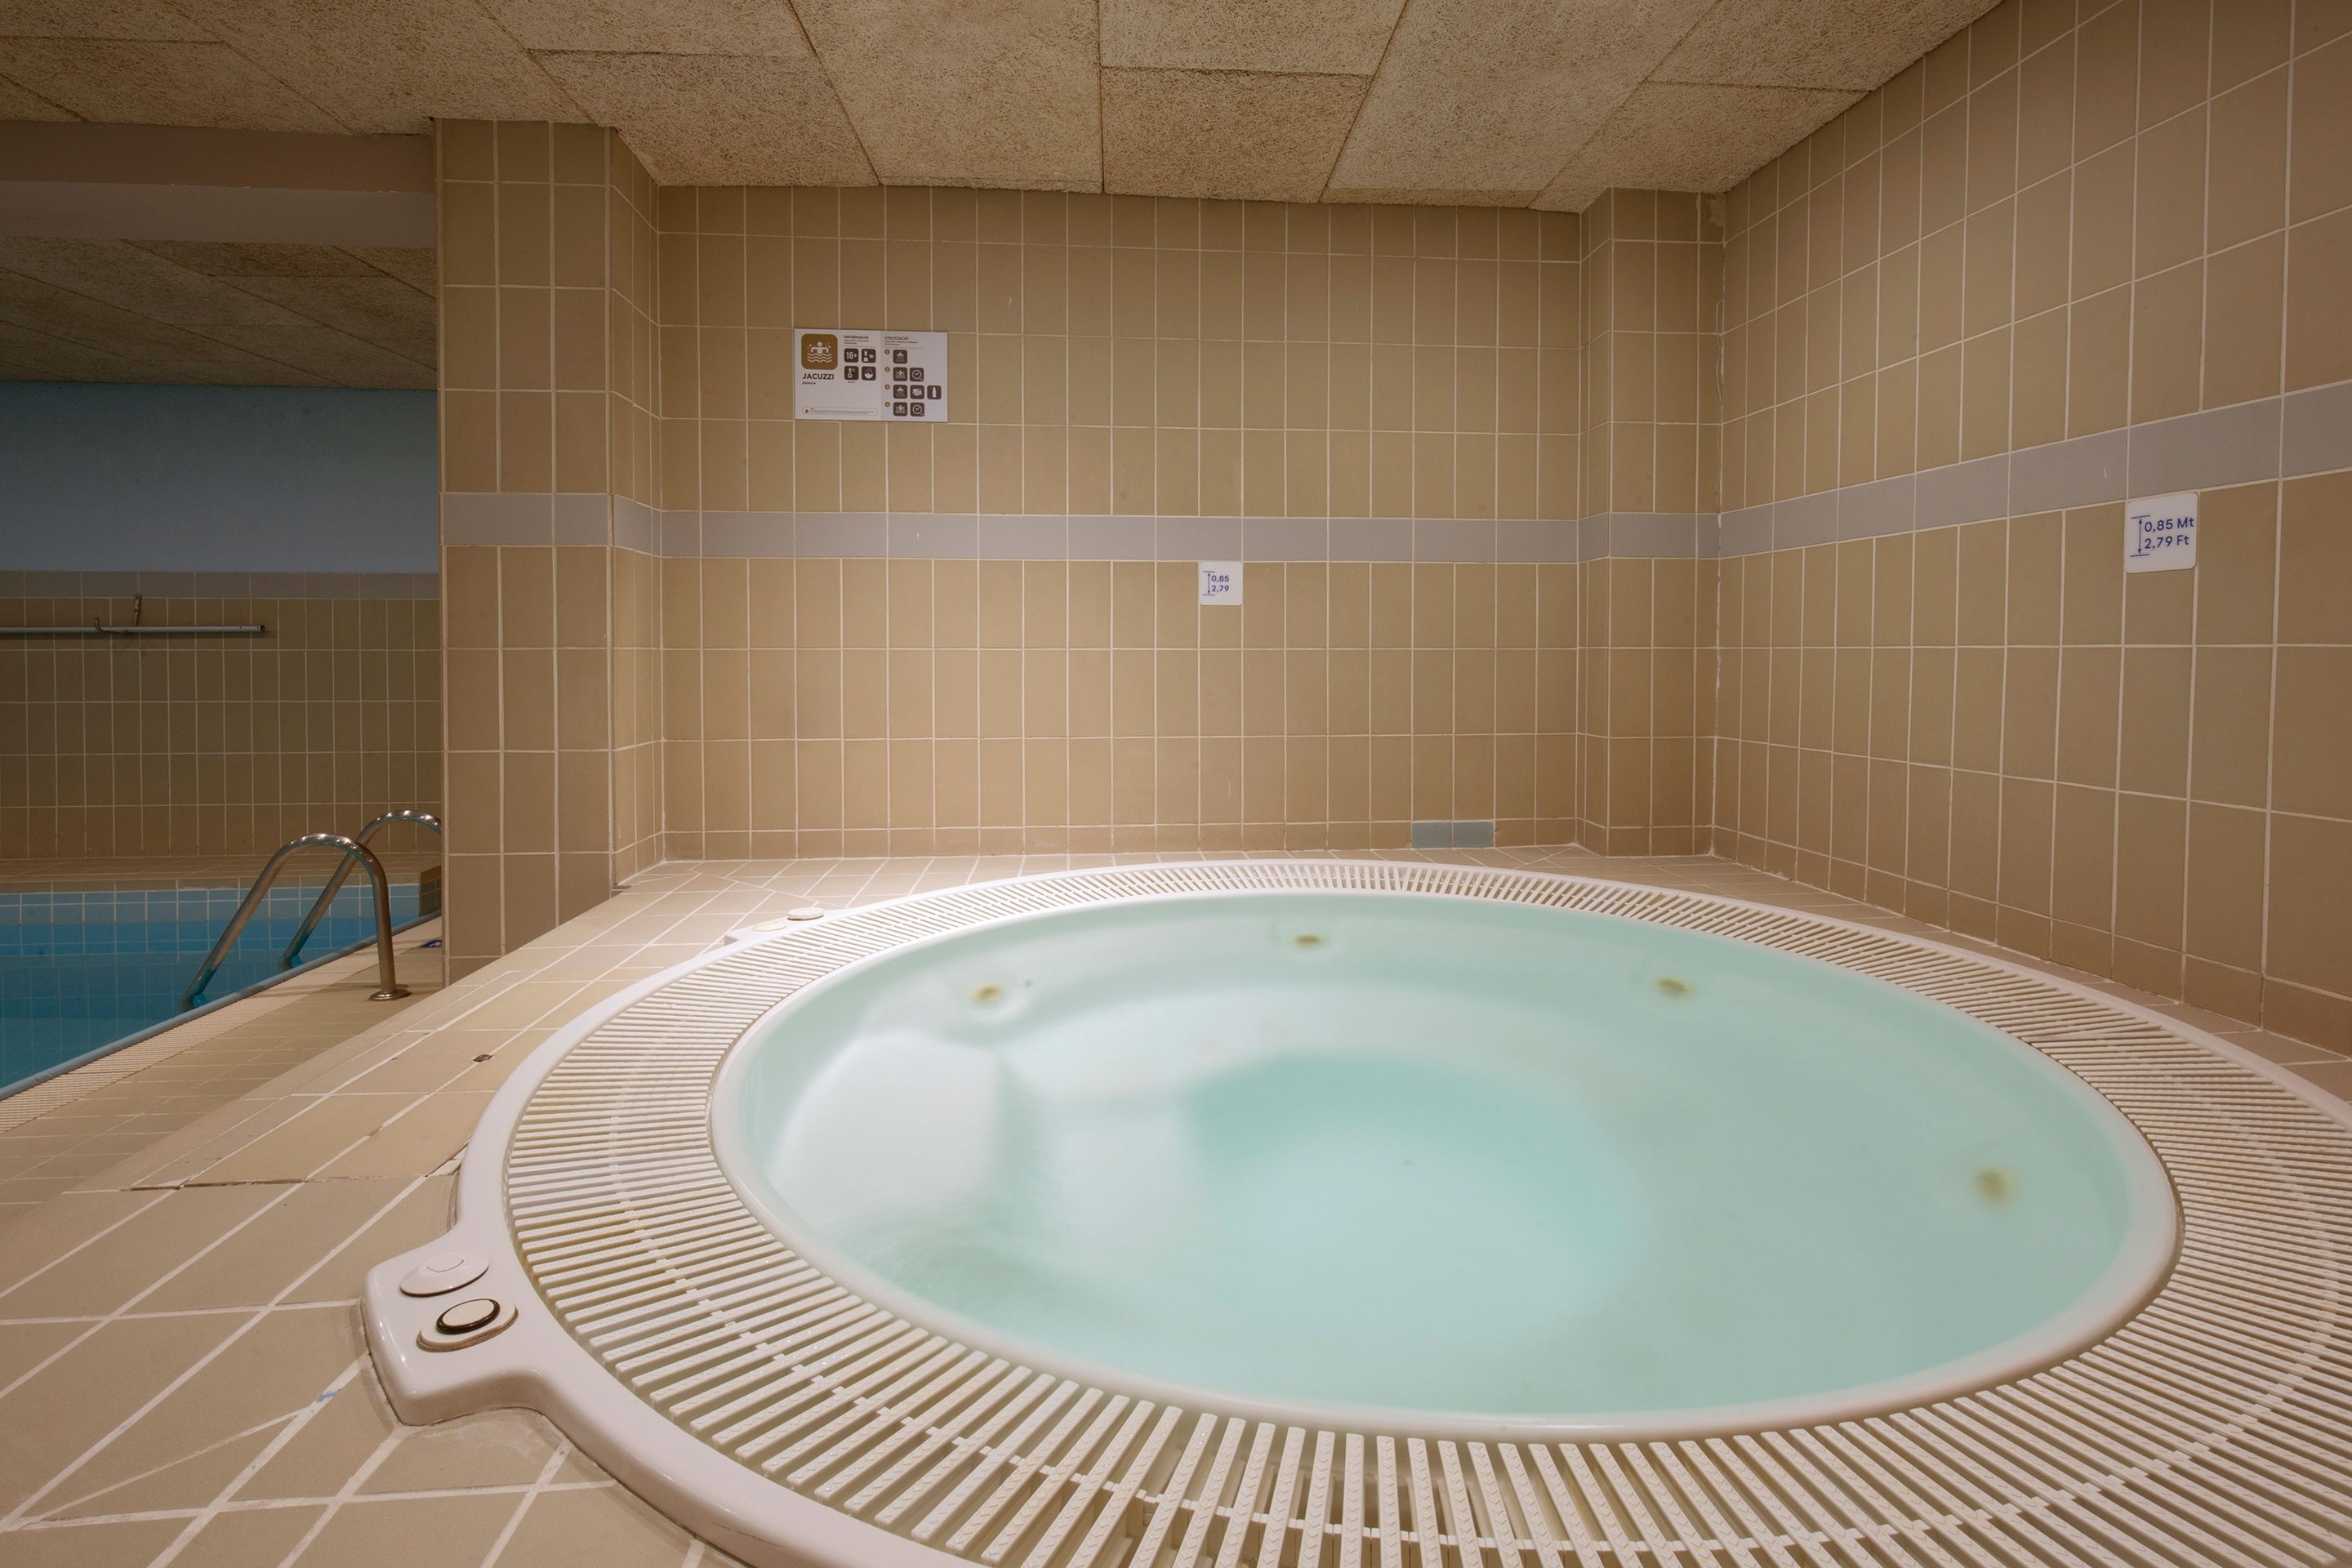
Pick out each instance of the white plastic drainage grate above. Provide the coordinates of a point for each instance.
(2214, 1427)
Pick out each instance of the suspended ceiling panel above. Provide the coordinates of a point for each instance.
(217, 313)
(1509, 102)
(131, 253)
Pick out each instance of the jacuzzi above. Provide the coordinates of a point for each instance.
(1296, 1212)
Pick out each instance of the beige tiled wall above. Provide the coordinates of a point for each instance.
(2070, 221)
(2054, 225)
(1653, 282)
(548, 394)
(1647, 712)
(2050, 226)
(1652, 285)
(1109, 357)
(169, 746)
(1129, 355)
(1993, 727)
(865, 706)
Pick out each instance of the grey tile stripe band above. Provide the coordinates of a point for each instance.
(2304, 432)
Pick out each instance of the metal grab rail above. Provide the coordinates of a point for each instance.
(342, 874)
(98, 630)
(388, 986)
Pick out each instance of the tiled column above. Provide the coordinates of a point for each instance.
(548, 534)
(1652, 276)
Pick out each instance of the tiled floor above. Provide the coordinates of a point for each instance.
(182, 1376)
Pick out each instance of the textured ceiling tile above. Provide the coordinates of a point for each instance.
(653, 26)
(27, 353)
(333, 357)
(390, 65)
(1491, 96)
(96, 19)
(158, 84)
(119, 273)
(17, 103)
(30, 302)
(379, 311)
(1229, 134)
(1852, 44)
(20, 340)
(414, 264)
(1339, 36)
(1674, 137)
(50, 334)
(948, 92)
(238, 260)
(719, 120)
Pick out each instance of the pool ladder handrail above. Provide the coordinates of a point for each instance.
(342, 874)
(388, 987)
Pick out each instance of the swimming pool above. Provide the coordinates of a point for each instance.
(83, 967)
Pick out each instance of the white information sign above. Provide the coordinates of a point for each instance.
(2161, 533)
(847, 373)
(1220, 581)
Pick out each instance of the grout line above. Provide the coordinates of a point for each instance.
(291, 1424)
(348, 1491)
(276, 1303)
(531, 1494)
(271, 1505)
(129, 1317)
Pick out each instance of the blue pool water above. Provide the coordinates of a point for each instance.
(82, 968)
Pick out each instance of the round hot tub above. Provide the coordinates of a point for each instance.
(1323, 1213)
(1369, 1156)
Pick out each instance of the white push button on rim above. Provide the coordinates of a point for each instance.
(444, 1272)
(467, 1316)
(466, 1323)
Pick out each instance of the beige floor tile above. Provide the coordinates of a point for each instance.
(324, 1129)
(422, 1066)
(2278, 1048)
(127, 1260)
(196, 1441)
(331, 1071)
(251, 1538)
(23, 1346)
(496, 1448)
(523, 1005)
(421, 1213)
(50, 1419)
(404, 1532)
(605, 1526)
(341, 1436)
(185, 1484)
(36, 1240)
(293, 1237)
(201, 1143)
(503, 1060)
(2336, 1077)
(127, 1543)
(419, 1140)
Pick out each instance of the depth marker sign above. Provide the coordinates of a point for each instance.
(851, 375)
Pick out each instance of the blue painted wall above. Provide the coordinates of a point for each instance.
(97, 477)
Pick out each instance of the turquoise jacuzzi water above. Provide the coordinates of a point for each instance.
(1441, 1155)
